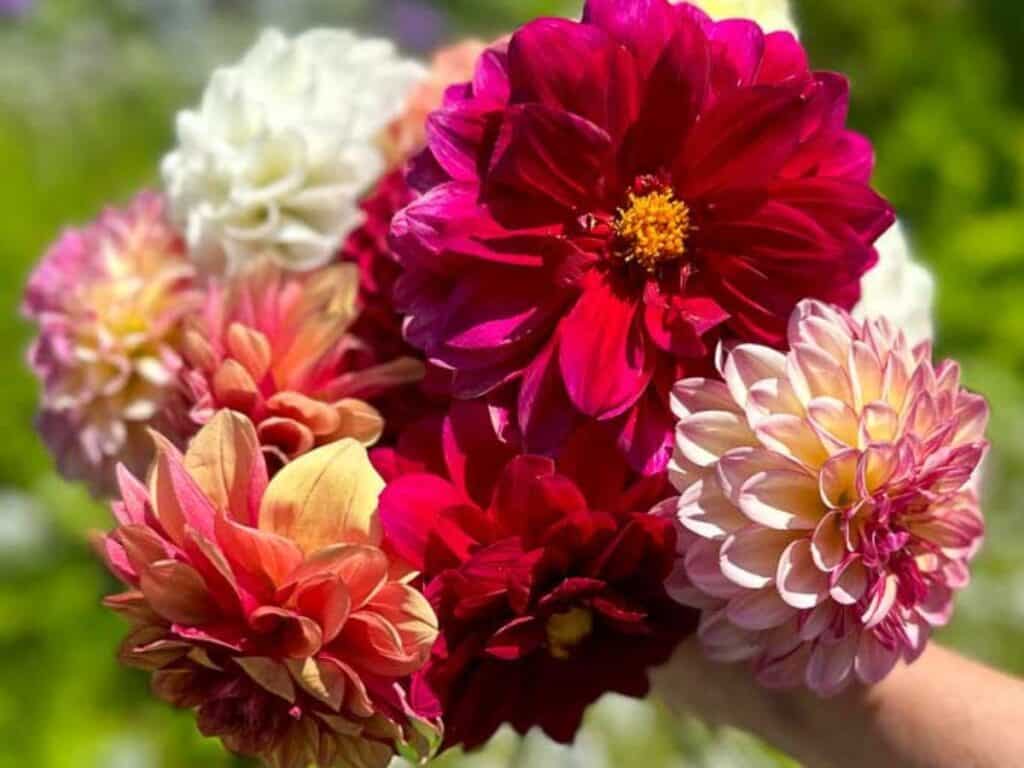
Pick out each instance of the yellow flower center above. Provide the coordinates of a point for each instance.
(653, 227)
(568, 629)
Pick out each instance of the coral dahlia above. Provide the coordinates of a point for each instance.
(269, 609)
(272, 345)
(110, 300)
(828, 500)
(549, 589)
(607, 199)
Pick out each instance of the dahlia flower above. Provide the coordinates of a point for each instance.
(827, 499)
(899, 289)
(770, 14)
(607, 199)
(269, 609)
(283, 145)
(452, 64)
(272, 344)
(109, 300)
(549, 589)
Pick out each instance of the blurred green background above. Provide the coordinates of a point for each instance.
(88, 90)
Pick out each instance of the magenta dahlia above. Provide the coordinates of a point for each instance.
(828, 498)
(547, 578)
(606, 199)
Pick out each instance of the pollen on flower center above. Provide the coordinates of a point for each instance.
(652, 228)
(568, 629)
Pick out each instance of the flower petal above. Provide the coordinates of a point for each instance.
(602, 352)
(328, 496)
(225, 460)
(750, 557)
(800, 583)
(782, 500)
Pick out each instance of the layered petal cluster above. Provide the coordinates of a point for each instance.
(273, 345)
(827, 500)
(270, 609)
(275, 159)
(110, 300)
(607, 199)
(547, 580)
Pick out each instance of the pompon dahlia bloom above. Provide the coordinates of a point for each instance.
(269, 609)
(829, 501)
(284, 144)
(110, 300)
(547, 580)
(272, 344)
(607, 199)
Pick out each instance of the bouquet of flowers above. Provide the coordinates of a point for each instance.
(436, 398)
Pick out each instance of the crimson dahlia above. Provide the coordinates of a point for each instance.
(607, 199)
(549, 592)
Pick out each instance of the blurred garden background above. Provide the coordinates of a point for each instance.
(88, 90)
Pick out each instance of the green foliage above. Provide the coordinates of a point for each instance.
(87, 98)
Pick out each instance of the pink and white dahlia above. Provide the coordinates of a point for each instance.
(270, 608)
(828, 500)
(607, 199)
(273, 345)
(110, 300)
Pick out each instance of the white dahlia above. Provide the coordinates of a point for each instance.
(283, 145)
(899, 289)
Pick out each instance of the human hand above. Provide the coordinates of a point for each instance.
(944, 711)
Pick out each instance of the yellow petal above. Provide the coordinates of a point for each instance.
(225, 461)
(359, 420)
(328, 496)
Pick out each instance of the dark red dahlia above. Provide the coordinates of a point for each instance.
(607, 200)
(549, 592)
(379, 324)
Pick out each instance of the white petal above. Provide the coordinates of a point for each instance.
(703, 437)
(782, 500)
(702, 566)
(827, 545)
(851, 582)
(750, 557)
(694, 395)
(800, 583)
(706, 512)
(792, 437)
(748, 364)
